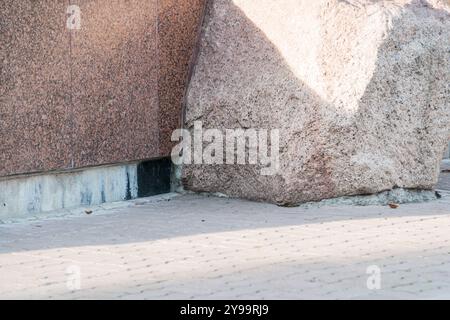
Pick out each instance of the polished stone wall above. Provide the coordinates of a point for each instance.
(36, 115)
(110, 92)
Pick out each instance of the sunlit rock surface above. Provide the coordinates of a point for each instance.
(358, 89)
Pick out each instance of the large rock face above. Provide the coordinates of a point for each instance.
(358, 89)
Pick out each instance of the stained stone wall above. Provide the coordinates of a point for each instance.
(36, 116)
(110, 92)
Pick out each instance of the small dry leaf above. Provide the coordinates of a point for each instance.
(394, 205)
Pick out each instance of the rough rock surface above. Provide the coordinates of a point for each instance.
(358, 89)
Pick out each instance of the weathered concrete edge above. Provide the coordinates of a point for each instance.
(102, 209)
(30, 195)
(398, 196)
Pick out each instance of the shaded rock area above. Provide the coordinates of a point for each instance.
(359, 91)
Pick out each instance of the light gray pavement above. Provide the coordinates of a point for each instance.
(191, 246)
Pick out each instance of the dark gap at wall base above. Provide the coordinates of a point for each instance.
(154, 177)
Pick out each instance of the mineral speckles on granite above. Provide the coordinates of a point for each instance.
(179, 26)
(35, 110)
(75, 98)
(115, 75)
(358, 92)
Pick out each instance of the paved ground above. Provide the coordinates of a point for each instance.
(197, 247)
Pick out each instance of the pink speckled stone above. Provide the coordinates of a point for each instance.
(111, 92)
(35, 131)
(358, 93)
(115, 82)
(179, 27)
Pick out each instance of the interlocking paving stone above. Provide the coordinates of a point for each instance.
(199, 247)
